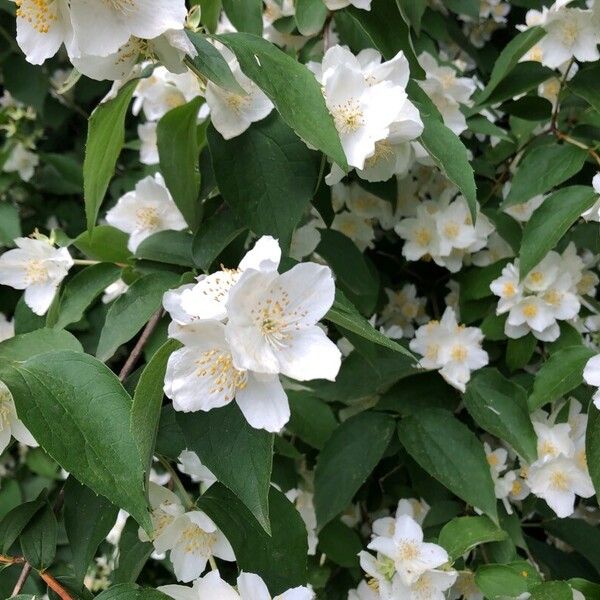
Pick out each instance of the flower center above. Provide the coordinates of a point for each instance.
(197, 541)
(408, 550)
(492, 460)
(530, 310)
(122, 6)
(40, 14)
(553, 297)
(451, 229)
(225, 377)
(509, 290)
(236, 101)
(147, 218)
(4, 414)
(383, 151)
(423, 236)
(348, 116)
(548, 449)
(36, 271)
(458, 353)
(559, 481)
(569, 32)
(536, 54)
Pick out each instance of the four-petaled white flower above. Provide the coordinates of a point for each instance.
(232, 112)
(145, 211)
(21, 161)
(411, 555)
(37, 267)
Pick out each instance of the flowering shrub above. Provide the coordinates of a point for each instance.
(298, 299)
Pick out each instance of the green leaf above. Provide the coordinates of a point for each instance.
(132, 310)
(511, 580)
(104, 243)
(348, 458)
(292, 88)
(210, 13)
(462, 534)
(133, 554)
(177, 141)
(586, 84)
(519, 351)
(267, 175)
(412, 12)
(10, 497)
(592, 446)
(245, 15)
(81, 291)
(312, 420)
(25, 82)
(17, 519)
(581, 536)
(39, 538)
(22, 347)
(147, 402)
(509, 58)
(543, 168)
(451, 453)
(450, 155)
(61, 174)
(131, 591)
(280, 559)
(214, 236)
(169, 247)
(88, 519)
(552, 590)
(344, 314)
(10, 224)
(89, 412)
(106, 135)
(499, 406)
(551, 221)
(384, 26)
(341, 544)
(561, 373)
(310, 16)
(209, 63)
(240, 456)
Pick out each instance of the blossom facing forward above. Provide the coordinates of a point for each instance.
(37, 267)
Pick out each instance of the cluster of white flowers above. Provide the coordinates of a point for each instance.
(37, 267)
(249, 587)
(443, 230)
(145, 211)
(571, 33)
(404, 310)
(406, 567)
(453, 349)
(243, 327)
(371, 111)
(104, 40)
(492, 16)
(549, 293)
(190, 537)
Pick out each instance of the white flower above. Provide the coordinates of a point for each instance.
(272, 325)
(202, 375)
(10, 424)
(337, 4)
(114, 535)
(249, 587)
(162, 91)
(522, 212)
(232, 113)
(446, 91)
(145, 211)
(21, 161)
(412, 557)
(305, 239)
(404, 309)
(191, 537)
(102, 28)
(37, 267)
(42, 27)
(7, 328)
(114, 290)
(190, 464)
(453, 349)
(591, 374)
(593, 214)
(570, 33)
(148, 147)
(358, 228)
(557, 481)
(497, 249)
(304, 503)
(363, 592)
(431, 585)
(362, 113)
(466, 588)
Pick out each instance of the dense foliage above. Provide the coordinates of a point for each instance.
(298, 299)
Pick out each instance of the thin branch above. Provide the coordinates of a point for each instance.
(139, 347)
(22, 579)
(56, 587)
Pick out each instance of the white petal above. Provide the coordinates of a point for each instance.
(264, 402)
(252, 587)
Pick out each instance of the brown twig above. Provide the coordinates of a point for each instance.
(22, 579)
(55, 586)
(139, 347)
